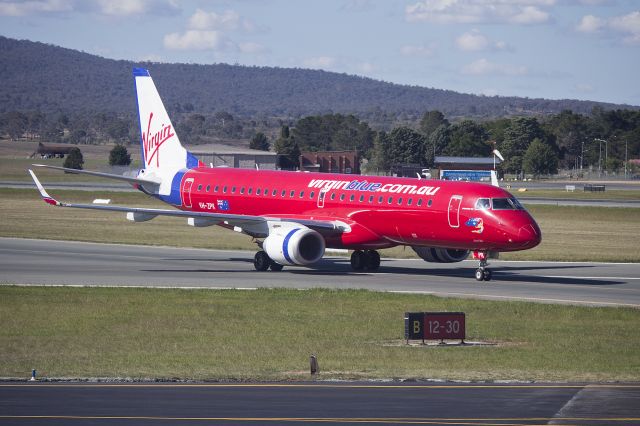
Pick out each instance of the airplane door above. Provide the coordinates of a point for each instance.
(454, 211)
(321, 197)
(186, 192)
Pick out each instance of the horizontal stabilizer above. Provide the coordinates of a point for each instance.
(132, 180)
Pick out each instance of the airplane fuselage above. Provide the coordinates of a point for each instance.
(380, 211)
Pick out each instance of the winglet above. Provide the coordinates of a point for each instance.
(45, 196)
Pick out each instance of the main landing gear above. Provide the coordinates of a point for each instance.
(367, 259)
(262, 262)
(483, 273)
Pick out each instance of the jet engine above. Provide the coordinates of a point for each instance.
(294, 244)
(441, 255)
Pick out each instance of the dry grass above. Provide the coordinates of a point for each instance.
(269, 335)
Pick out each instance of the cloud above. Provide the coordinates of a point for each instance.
(101, 7)
(518, 12)
(229, 20)
(320, 62)
(626, 25)
(590, 24)
(23, 8)
(209, 31)
(474, 41)
(420, 50)
(484, 66)
(194, 40)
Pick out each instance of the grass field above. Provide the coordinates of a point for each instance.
(270, 334)
(569, 233)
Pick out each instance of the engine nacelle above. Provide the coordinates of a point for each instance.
(294, 244)
(441, 255)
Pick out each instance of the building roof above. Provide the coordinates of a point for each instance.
(222, 149)
(467, 160)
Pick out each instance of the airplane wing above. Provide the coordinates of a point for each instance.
(253, 225)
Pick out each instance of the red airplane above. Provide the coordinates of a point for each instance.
(295, 216)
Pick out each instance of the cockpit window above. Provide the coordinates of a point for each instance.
(506, 204)
(483, 204)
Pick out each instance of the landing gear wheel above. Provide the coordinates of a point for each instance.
(276, 266)
(358, 260)
(480, 274)
(372, 260)
(487, 275)
(261, 261)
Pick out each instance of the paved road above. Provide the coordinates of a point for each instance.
(304, 403)
(44, 262)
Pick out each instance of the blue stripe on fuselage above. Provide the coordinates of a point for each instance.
(175, 197)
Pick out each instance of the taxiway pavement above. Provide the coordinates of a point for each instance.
(45, 262)
(304, 403)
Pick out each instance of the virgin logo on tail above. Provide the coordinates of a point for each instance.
(152, 143)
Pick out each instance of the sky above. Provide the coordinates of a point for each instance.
(556, 49)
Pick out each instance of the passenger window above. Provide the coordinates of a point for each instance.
(370, 199)
(419, 202)
(361, 198)
(275, 192)
(390, 200)
(399, 200)
(216, 188)
(258, 191)
(283, 193)
(429, 203)
(224, 190)
(313, 194)
(301, 194)
(333, 196)
(341, 197)
(410, 201)
(233, 190)
(352, 197)
(292, 193)
(208, 188)
(483, 204)
(249, 191)
(200, 187)
(242, 190)
(380, 199)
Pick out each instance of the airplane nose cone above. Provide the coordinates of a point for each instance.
(529, 235)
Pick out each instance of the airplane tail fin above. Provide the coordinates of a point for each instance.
(162, 153)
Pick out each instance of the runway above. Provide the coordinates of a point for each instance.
(43, 262)
(304, 403)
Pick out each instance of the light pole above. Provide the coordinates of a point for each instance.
(626, 159)
(600, 154)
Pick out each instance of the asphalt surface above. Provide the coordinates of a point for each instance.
(304, 403)
(44, 262)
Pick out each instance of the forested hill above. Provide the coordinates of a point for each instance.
(37, 76)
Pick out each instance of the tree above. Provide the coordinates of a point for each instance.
(380, 153)
(437, 143)
(406, 146)
(540, 158)
(517, 138)
(259, 141)
(431, 120)
(468, 139)
(74, 159)
(119, 156)
(288, 149)
(334, 132)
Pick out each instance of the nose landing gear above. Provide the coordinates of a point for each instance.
(483, 273)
